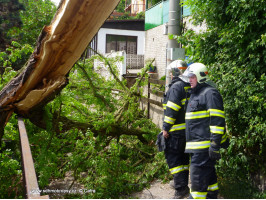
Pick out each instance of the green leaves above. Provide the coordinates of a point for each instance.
(36, 15)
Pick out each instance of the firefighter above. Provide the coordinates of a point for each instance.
(205, 132)
(174, 129)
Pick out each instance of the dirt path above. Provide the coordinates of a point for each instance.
(157, 190)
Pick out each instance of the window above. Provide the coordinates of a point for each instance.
(120, 43)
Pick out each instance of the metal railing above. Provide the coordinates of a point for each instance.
(29, 175)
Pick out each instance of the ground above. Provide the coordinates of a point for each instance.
(157, 190)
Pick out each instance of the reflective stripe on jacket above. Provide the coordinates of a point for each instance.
(174, 112)
(205, 119)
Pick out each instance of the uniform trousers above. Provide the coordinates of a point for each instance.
(203, 176)
(177, 160)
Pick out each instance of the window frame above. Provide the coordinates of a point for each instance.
(116, 41)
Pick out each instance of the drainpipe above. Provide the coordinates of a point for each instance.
(174, 22)
(174, 28)
(146, 5)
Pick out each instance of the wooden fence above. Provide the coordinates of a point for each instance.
(156, 92)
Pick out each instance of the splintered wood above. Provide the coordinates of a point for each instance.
(59, 46)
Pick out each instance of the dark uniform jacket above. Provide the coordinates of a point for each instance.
(174, 112)
(205, 119)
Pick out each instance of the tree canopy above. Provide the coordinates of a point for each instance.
(9, 18)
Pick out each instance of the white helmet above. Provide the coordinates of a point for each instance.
(176, 66)
(199, 70)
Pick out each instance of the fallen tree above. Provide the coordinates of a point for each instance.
(59, 46)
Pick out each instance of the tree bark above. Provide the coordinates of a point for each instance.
(59, 46)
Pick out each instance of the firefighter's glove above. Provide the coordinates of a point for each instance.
(214, 153)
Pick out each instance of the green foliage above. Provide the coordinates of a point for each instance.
(20, 33)
(14, 57)
(37, 14)
(9, 17)
(11, 174)
(128, 16)
(111, 163)
(121, 6)
(140, 15)
(99, 160)
(11, 171)
(233, 47)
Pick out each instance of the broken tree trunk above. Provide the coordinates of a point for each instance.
(59, 46)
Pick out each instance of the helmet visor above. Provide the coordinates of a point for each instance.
(184, 76)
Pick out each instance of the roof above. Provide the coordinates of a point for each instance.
(129, 24)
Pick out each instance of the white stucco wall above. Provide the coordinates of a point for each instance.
(155, 47)
(104, 31)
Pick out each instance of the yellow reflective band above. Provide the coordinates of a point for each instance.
(169, 120)
(213, 187)
(196, 115)
(224, 138)
(164, 106)
(179, 169)
(172, 105)
(198, 145)
(186, 88)
(183, 101)
(217, 129)
(216, 112)
(198, 195)
(178, 127)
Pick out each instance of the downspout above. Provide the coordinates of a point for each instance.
(146, 5)
(174, 28)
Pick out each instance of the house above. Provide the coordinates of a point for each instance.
(135, 6)
(121, 36)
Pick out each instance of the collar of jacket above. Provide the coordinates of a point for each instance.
(174, 80)
(198, 87)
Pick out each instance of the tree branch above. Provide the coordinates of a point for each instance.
(110, 109)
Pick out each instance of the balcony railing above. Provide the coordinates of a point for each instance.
(135, 61)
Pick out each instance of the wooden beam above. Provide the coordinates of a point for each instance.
(156, 92)
(29, 174)
(158, 103)
(156, 81)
